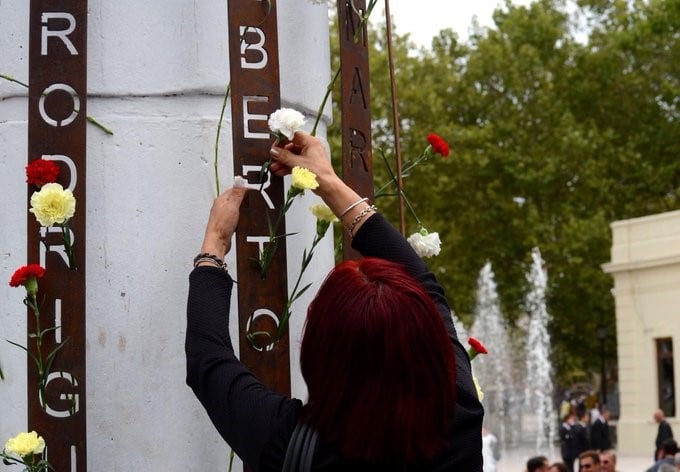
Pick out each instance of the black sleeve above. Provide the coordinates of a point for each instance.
(244, 411)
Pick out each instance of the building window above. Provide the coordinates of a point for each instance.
(666, 376)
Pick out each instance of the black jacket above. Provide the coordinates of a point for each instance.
(599, 435)
(257, 422)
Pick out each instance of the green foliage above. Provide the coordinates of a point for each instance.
(555, 133)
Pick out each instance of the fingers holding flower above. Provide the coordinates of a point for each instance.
(307, 152)
(222, 221)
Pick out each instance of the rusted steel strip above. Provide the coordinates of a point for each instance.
(56, 131)
(254, 70)
(357, 152)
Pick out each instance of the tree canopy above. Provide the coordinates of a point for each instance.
(555, 132)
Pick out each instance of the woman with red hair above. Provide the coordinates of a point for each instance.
(390, 386)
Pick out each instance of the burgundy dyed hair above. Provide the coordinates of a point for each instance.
(378, 363)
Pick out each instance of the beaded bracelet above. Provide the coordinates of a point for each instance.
(359, 217)
(213, 259)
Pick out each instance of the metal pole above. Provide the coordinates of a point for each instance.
(395, 119)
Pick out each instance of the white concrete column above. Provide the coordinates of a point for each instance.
(157, 71)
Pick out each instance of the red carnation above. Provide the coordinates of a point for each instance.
(27, 276)
(439, 145)
(476, 347)
(41, 171)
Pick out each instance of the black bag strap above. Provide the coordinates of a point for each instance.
(301, 448)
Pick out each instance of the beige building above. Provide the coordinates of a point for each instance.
(645, 264)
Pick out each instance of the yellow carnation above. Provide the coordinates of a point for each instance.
(323, 213)
(25, 444)
(52, 204)
(304, 179)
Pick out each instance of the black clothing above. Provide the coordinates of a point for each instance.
(568, 445)
(581, 440)
(599, 435)
(257, 422)
(664, 432)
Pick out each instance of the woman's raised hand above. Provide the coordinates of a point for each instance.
(222, 222)
(309, 152)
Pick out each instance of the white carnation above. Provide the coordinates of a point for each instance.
(286, 121)
(425, 244)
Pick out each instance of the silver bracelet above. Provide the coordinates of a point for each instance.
(359, 217)
(365, 199)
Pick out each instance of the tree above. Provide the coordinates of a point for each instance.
(552, 138)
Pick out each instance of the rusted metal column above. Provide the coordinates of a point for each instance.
(254, 69)
(56, 131)
(357, 153)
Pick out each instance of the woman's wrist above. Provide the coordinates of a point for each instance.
(215, 247)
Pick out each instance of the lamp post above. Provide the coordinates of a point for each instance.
(602, 335)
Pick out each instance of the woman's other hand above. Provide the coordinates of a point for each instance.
(222, 222)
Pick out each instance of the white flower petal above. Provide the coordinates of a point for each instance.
(427, 245)
(240, 182)
(286, 121)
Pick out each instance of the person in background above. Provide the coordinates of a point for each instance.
(490, 450)
(599, 432)
(537, 464)
(589, 461)
(581, 432)
(558, 467)
(595, 412)
(663, 432)
(567, 438)
(608, 461)
(669, 449)
(389, 384)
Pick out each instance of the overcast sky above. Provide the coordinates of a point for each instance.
(424, 18)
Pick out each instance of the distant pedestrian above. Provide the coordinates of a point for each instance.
(538, 464)
(663, 433)
(567, 441)
(589, 461)
(669, 449)
(558, 467)
(599, 432)
(581, 433)
(608, 461)
(490, 450)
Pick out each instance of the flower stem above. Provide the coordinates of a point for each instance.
(217, 137)
(32, 303)
(99, 125)
(12, 79)
(329, 90)
(307, 258)
(66, 236)
(88, 117)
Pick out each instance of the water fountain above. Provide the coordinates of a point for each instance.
(495, 371)
(516, 374)
(539, 385)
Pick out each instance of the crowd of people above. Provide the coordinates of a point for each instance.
(587, 461)
(586, 446)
